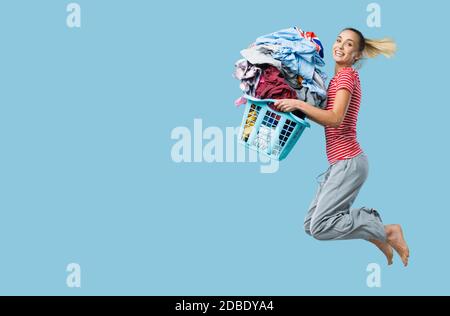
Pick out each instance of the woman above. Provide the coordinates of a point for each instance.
(330, 216)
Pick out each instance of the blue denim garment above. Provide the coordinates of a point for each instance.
(298, 54)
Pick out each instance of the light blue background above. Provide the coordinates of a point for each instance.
(86, 174)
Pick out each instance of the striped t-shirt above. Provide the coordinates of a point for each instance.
(341, 142)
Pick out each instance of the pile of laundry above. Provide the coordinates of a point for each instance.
(284, 65)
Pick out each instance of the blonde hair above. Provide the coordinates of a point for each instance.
(374, 47)
(371, 48)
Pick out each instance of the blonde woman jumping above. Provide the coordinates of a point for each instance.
(330, 216)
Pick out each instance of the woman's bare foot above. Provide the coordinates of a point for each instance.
(386, 249)
(396, 239)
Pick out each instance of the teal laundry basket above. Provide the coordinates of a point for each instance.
(269, 132)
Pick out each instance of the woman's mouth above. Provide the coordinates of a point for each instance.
(339, 53)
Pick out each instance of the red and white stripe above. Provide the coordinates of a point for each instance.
(341, 142)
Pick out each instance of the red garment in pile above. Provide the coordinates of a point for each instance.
(273, 86)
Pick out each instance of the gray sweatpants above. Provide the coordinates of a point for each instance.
(330, 216)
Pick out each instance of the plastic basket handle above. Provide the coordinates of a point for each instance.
(267, 101)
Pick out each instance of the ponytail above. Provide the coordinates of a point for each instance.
(375, 47)
(371, 48)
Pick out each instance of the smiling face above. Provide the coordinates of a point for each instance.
(346, 48)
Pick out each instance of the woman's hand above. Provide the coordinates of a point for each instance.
(287, 105)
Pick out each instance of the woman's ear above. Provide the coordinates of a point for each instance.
(357, 57)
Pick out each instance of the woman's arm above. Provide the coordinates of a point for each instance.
(330, 118)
